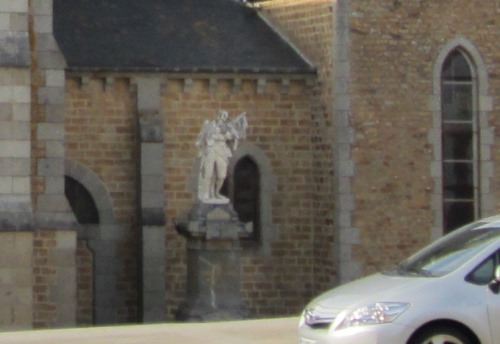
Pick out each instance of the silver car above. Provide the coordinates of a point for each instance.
(447, 293)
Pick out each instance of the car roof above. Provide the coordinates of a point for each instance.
(492, 221)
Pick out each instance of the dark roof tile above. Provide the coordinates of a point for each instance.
(171, 35)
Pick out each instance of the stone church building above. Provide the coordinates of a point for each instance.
(373, 129)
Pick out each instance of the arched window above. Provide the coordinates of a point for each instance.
(250, 185)
(244, 192)
(463, 137)
(81, 202)
(460, 146)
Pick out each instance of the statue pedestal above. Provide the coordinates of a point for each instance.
(213, 264)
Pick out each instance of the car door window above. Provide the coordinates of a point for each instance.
(483, 274)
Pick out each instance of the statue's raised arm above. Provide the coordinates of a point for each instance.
(238, 127)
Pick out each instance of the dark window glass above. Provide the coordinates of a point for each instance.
(459, 146)
(456, 68)
(81, 202)
(245, 195)
(457, 213)
(457, 102)
(457, 180)
(247, 192)
(485, 272)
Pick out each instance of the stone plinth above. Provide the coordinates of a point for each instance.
(213, 264)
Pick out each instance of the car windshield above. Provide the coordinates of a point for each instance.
(450, 252)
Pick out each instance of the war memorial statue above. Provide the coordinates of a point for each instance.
(216, 142)
(213, 230)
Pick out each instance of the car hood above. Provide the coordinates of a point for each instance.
(374, 288)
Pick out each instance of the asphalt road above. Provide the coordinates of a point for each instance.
(268, 331)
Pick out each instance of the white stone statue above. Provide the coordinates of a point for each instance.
(216, 142)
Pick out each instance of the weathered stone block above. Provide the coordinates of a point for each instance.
(14, 48)
(16, 277)
(152, 158)
(14, 6)
(55, 77)
(43, 23)
(152, 216)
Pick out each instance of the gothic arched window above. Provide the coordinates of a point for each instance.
(460, 152)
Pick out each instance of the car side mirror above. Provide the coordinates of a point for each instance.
(495, 284)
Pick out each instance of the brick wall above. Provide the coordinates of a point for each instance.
(393, 52)
(280, 125)
(308, 24)
(393, 48)
(44, 275)
(101, 136)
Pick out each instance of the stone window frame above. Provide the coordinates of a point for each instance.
(95, 187)
(460, 194)
(268, 232)
(102, 239)
(484, 106)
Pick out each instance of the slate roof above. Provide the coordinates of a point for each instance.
(171, 35)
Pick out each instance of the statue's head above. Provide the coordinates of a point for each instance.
(222, 115)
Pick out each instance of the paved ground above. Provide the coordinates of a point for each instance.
(269, 331)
